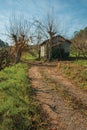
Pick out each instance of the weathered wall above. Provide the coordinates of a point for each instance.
(42, 51)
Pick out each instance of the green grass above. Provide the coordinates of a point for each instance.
(29, 57)
(82, 63)
(18, 110)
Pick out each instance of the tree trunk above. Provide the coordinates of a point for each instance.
(17, 57)
(38, 52)
(39, 55)
(50, 53)
(50, 49)
(47, 51)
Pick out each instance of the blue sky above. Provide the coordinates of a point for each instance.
(71, 15)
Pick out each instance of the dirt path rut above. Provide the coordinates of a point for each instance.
(65, 105)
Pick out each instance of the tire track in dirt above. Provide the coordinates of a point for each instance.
(60, 115)
(76, 96)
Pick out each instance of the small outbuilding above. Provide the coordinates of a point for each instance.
(60, 48)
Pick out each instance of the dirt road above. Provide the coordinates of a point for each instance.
(64, 103)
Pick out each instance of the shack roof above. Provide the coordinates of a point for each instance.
(59, 38)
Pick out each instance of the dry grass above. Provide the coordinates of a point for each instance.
(75, 71)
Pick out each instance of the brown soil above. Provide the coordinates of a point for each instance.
(64, 103)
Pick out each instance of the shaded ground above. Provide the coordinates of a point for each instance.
(64, 103)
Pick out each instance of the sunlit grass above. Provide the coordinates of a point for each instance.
(17, 108)
(29, 57)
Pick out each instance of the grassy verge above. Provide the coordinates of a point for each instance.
(26, 56)
(18, 110)
(76, 71)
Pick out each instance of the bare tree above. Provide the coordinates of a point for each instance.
(18, 31)
(80, 43)
(49, 30)
(38, 37)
